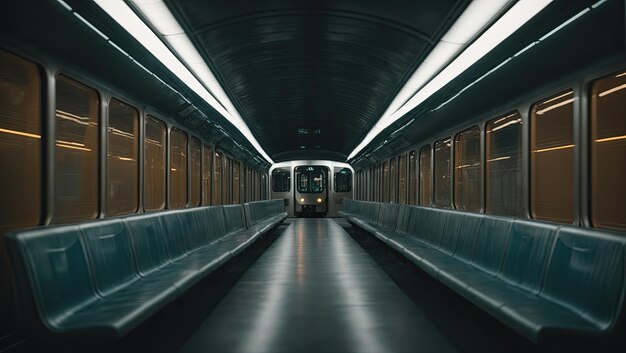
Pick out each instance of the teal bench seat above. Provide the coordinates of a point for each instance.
(96, 281)
(538, 278)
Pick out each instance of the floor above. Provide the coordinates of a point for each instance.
(316, 290)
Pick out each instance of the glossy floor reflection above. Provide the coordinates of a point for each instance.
(316, 290)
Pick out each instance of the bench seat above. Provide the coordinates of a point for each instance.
(538, 278)
(96, 281)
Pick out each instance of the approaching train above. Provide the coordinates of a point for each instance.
(313, 176)
(317, 188)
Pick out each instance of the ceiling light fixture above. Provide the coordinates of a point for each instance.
(163, 21)
(426, 81)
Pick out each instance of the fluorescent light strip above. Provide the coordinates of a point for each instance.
(507, 24)
(125, 17)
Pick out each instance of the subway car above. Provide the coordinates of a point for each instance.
(313, 176)
(318, 187)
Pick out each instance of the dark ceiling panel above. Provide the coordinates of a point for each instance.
(330, 67)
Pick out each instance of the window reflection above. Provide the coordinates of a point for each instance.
(76, 152)
(504, 166)
(552, 158)
(608, 151)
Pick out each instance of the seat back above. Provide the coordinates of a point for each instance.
(491, 245)
(235, 218)
(174, 234)
(465, 228)
(148, 241)
(388, 216)
(527, 253)
(50, 264)
(586, 273)
(110, 254)
(404, 218)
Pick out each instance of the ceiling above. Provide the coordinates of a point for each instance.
(310, 78)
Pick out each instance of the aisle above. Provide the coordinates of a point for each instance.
(316, 290)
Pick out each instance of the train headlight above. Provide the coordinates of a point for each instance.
(302, 199)
(319, 200)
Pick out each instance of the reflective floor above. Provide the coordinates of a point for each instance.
(316, 290)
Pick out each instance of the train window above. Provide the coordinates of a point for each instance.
(425, 183)
(178, 168)
(257, 185)
(311, 181)
(20, 142)
(227, 181)
(370, 180)
(206, 175)
(154, 164)
(76, 151)
(281, 180)
(217, 180)
(343, 180)
(122, 187)
(608, 148)
(195, 172)
(249, 183)
(264, 186)
(552, 158)
(393, 181)
(467, 178)
(385, 184)
(236, 182)
(443, 182)
(402, 189)
(412, 186)
(504, 166)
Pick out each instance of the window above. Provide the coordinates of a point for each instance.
(178, 168)
(20, 143)
(385, 185)
(76, 152)
(443, 182)
(311, 179)
(425, 177)
(504, 166)
(552, 159)
(206, 175)
(467, 178)
(264, 186)
(281, 180)
(122, 188)
(402, 187)
(249, 183)
(227, 181)
(236, 182)
(217, 180)
(412, 187)
(343, 180)
(608, 151)
(195, 172)
(154, 164)
(370, 179)
(257, 185)
(393, 181)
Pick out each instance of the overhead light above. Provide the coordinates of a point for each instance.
(427, 79)
(163, 21)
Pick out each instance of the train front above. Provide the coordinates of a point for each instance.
(311, 191)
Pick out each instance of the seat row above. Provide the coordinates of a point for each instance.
(99, 280)
(538, 278)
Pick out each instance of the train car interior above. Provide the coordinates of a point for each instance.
(256, 176)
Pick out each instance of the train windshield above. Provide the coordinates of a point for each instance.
(311, 182)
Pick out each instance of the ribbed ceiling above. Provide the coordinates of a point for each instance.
(331, 67)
